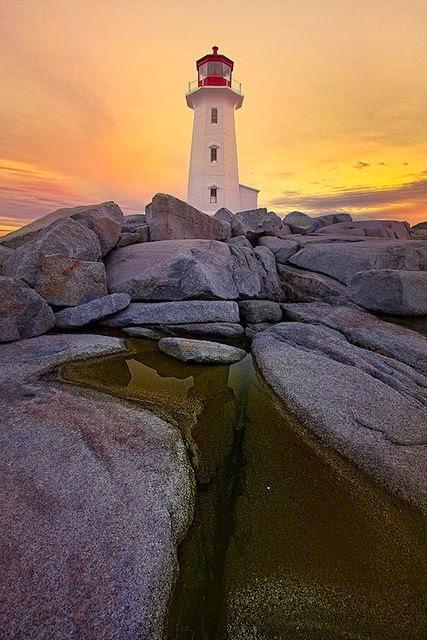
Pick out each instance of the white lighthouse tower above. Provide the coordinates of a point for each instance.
(214, 175)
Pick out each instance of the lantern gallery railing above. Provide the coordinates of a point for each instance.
(211, 82)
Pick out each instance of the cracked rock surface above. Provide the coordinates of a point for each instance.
(185, 269)
(96, 494)
(368, 405)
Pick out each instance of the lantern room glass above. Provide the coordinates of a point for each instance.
(214, 73)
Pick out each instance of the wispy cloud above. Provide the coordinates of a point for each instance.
(27, 191)
(370, 202)
(361, 165)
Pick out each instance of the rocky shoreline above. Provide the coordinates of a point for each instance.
(96, 495)
(299, 291)
(176, 272)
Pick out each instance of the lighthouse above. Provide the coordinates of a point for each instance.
(213, 180)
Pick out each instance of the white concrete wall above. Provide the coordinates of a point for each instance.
(248, 198)
(223, 174)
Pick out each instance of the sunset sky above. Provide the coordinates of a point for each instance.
(92, 102)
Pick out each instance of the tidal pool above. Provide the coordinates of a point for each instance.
(288, 541)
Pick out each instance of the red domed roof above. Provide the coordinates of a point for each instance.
(215, 57)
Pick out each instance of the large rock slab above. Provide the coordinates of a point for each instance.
(298, 219)
(370, 407)
(185, 312)
(224, 214)
(186, 269)
(213, 329)
(267, 272)
(91, 311)
(282, 249)
(172, 219)
(370, 228)
(202, 351)
(390, 291)
(23, 312)
(256, 223)
(363, 329)
(66, 282)
(343, 260)
(65, 237)
(96, 495)
(328, 219)
(104, 219)
(299, 285)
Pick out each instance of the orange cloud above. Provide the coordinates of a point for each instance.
(401, 202)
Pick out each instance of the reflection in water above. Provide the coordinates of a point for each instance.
(288, 541)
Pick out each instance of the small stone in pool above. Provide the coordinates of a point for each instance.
(203, 351)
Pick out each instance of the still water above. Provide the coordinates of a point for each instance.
(288, 541)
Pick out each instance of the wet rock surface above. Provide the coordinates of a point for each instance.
(96, 494)
(363, 329)
(202, 351)
(370, 407)
(283, 529)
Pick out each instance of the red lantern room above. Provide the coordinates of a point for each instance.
(214, 70)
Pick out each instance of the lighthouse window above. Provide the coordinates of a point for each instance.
(214, 154)
(214, 115)
(214, 195)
